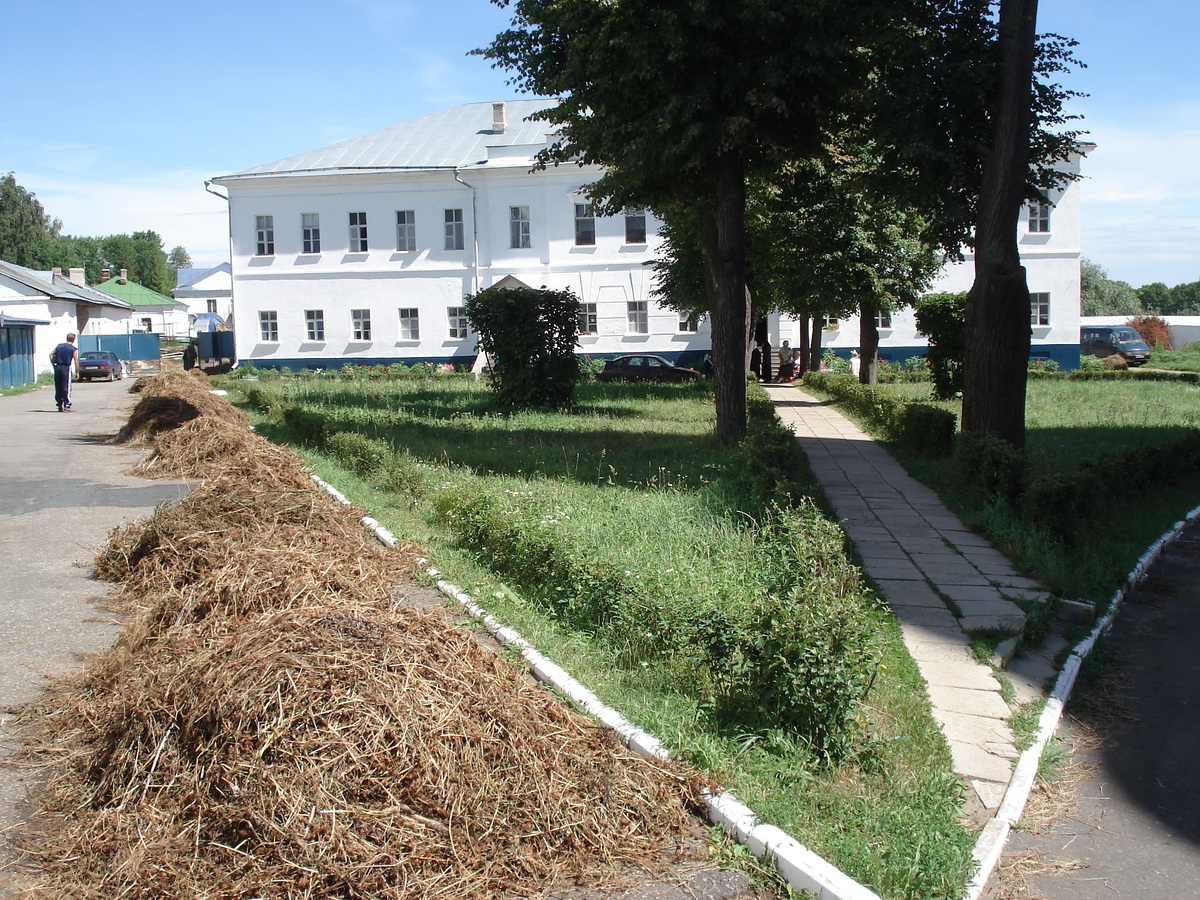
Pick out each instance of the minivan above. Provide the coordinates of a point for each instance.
(1113, 340)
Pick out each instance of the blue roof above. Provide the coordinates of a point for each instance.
(458, 136)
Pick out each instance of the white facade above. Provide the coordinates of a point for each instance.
(206, 290)
(363, 252)
(1050, 244)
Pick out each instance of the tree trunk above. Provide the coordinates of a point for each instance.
(868, 344)
(814, 347)
(996, 355)
(725, 264)
(805, 352)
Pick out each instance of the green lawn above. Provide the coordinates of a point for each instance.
(1186, 359)
(634, 477)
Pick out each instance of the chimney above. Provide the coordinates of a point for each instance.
(124, 277)
(105, 273)
(77, 276)
(498, 118)
(55, 271)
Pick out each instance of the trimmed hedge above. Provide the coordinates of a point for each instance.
(925, 429)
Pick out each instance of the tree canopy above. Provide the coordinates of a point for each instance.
(27, 232)
(1101, 296)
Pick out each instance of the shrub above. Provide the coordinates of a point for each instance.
(1089, 363)
(357, 452)
(530, 336)
(831, 362)
(943, 318)
(1154, 331)
(992, 463)
(928, 430)
(261, 401)
(916, 369)
(310, 427)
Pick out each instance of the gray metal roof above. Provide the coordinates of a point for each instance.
(458, 136)
(60, 287)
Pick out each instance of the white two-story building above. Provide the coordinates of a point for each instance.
(362, 252)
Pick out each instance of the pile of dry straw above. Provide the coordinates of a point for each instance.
(271, 724)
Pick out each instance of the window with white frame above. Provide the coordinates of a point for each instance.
(518, 227)
(635, 226)
(1039, 217)
(585, 225)
(587, 318)
(406, 231)
(457, 318)
(310, 232)
(268, 326)
(360, 324)
(264, 235)
(410, 327)
(210, 304)
(358, 232)
(883, 319)
(314, 323)
(1039, 309)
(829, 323)
(454, 229)
(689, 322)
(639, 317)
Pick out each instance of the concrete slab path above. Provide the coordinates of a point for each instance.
(940, 579)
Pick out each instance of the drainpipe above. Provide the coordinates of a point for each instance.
(232, 280)
(474, 234)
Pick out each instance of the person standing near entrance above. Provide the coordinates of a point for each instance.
(64, 358)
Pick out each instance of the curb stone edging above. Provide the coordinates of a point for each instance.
(990, 845)
(800, 867)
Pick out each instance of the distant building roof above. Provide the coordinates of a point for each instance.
(458, 136)
(59, 287)
(136, 295)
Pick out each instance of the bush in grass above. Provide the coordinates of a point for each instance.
(943, 317)
(1154, 331)
(916, 369)
(1089, 363)
(530, 336)
(1037, 367)
(991, 463)
(310, 427)
(262, 401)
(358, 453)
(928, 430)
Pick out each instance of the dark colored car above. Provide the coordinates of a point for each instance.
(100, 364)
(645, 367)
(1113, 340)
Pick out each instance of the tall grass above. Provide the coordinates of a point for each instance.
(628, 543)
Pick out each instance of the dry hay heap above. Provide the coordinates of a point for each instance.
(272, 725)
(171, 399)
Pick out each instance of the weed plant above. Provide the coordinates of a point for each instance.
(692, 586)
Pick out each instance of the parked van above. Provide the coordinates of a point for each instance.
(1113, 340)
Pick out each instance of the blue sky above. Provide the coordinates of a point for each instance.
(121, 110)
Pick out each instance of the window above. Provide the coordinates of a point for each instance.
(1039, 217)
(454, 229)
(518, 227)
(688, 322)
(635, 226)
(457, 316)
(210, 305)
(585, 225)
(1039, 309)
(314, 322)
(264, 230)
(406, 231)
(310, 232)
(268, 326)
(587, 318)
(829, 323)
(639, 317)
(410, 328)
(358, 232)
(360, 324)
(883, 319)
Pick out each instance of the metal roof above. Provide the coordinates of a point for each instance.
(458, 136)
(137, 295)
(59, 287)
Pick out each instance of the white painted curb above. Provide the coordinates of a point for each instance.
(990, 845)
(796, 864)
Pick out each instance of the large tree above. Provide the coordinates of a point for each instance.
(686, 99)
(1099, 295)
(27, 232)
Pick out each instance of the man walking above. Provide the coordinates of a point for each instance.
(64, 357)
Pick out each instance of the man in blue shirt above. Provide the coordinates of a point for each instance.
(64, 357)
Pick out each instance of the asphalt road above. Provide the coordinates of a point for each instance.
(1134, 829)
(62, 489)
